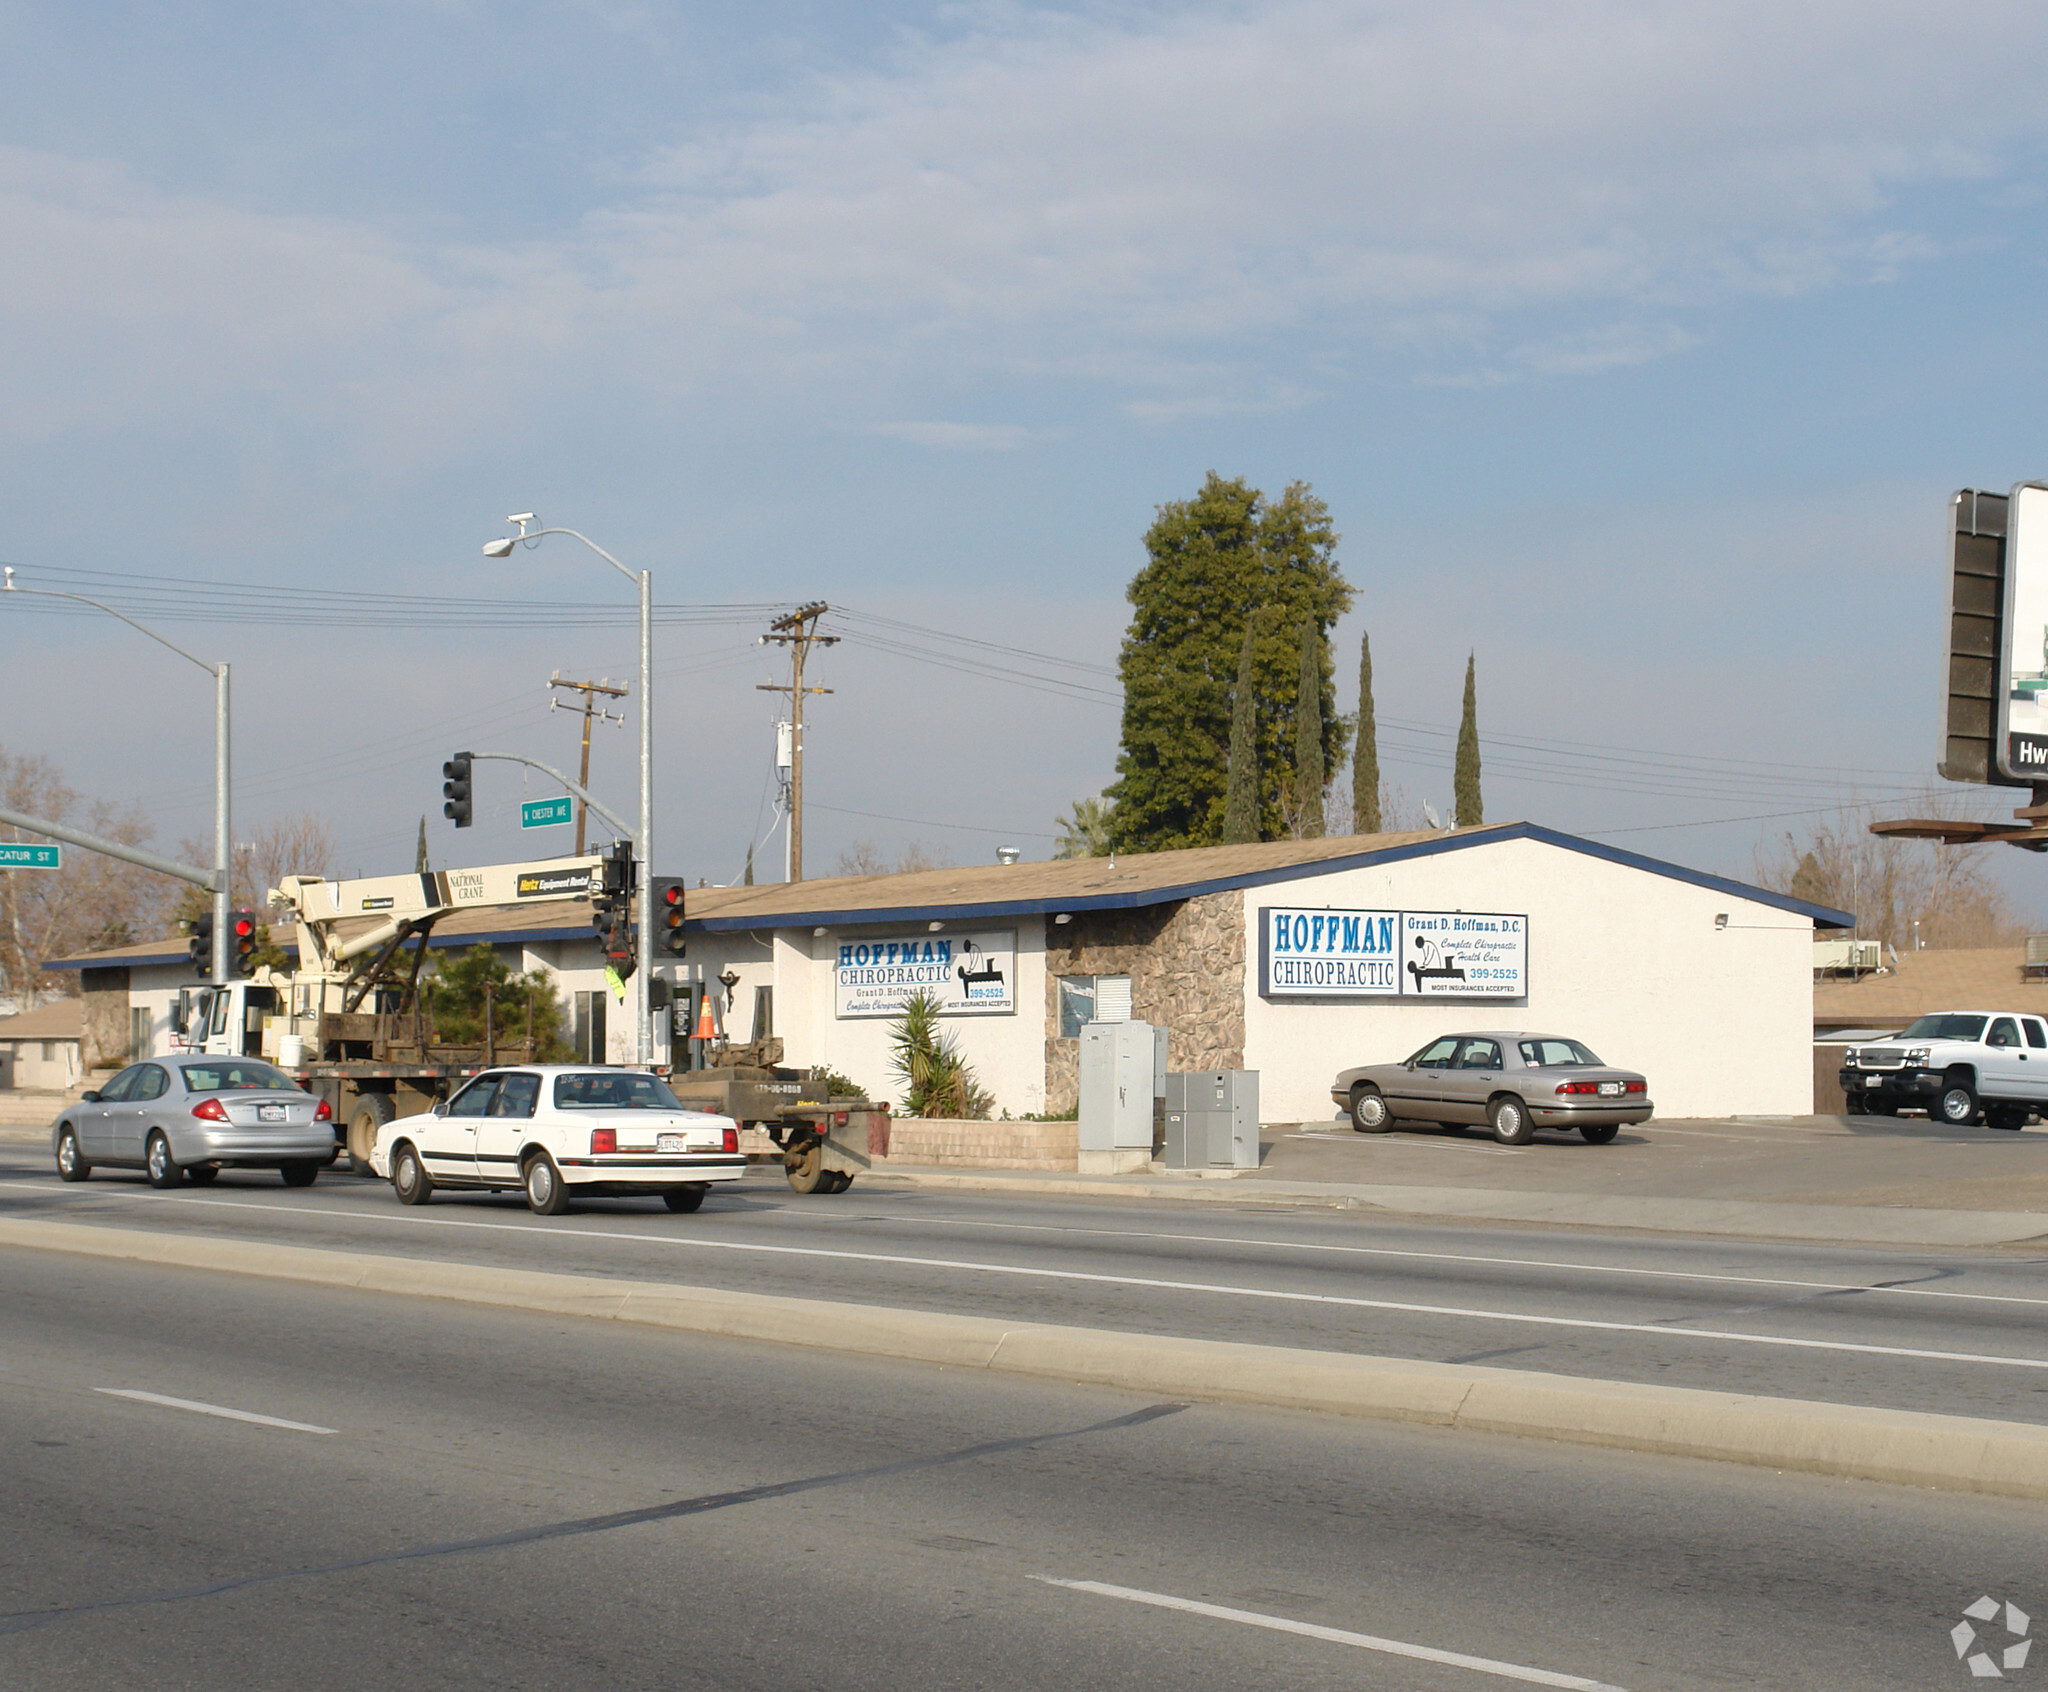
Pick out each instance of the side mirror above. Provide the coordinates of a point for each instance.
(91, 1096)
(441, 1107)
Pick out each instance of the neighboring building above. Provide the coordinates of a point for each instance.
(1294, 958)
(39, 1048)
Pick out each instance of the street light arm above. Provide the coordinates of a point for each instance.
(630, 575)
(46, 593)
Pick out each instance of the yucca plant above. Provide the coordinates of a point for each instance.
(938, 1081)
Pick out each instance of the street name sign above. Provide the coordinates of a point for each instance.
(31, 857)
(546, 813)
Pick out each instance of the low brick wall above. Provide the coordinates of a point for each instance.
(966, 1145)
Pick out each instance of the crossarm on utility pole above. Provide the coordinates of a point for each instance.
(110, 848)
(575, 787)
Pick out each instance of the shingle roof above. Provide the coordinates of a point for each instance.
(984, 891)
(1986, 979)
(61, 1019)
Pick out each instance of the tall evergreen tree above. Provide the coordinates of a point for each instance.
(420, 853)
(1212, 561)
(1308, 737)
(1241, 801)
(1365, 751)
(748, 880)
(1470, 811)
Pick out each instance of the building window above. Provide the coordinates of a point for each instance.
(1092, 998)
(587, 1028)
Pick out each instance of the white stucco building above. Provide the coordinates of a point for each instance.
(1293, 958)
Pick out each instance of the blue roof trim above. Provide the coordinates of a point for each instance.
(1141, 897)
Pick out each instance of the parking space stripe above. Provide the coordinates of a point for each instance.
(212, 1410)
(1338, 1636)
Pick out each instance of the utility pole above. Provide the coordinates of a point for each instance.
(799, 632)
(590, 690)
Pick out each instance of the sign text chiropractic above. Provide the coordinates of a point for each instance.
(1325, 954)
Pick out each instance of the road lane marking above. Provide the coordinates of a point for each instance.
(212, 1410)
(1155, 1284)
(1337, 1636)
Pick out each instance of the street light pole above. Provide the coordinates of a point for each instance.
(643, 971)
(223, 859)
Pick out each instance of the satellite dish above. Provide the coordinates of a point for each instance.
(1429, 815)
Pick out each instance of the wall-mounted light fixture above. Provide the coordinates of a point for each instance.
(1063, 919)
(820, 933)
(1721, 919)
(933, 927)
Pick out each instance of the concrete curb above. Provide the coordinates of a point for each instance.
(1908, 1448)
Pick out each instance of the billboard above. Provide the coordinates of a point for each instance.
(969, 974)
(1309, 953)
(2023, 654)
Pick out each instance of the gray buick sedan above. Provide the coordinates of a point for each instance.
(1515, 1083)
(175, 1117)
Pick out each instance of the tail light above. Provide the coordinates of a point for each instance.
(839, 1118)
(1578, 1086)
(732, 1140)
(210, 1110)
(1636, 1087)
(603, 1140)
(324, 1113)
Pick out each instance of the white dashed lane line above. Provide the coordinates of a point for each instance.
(1338, 1636)
(212, 1410)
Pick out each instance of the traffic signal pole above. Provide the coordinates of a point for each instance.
(223, 834)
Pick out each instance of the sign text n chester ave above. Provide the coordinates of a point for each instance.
(546, 813)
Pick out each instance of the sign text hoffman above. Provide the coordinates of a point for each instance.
(1325, 954)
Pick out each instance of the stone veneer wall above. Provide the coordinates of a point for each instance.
(1186, 964)
(103, 1042)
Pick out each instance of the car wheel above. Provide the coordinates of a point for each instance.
(1510, 1119)
(71, 1164)
(683, 1200)
(203, 1174)
(546, 1195)
(1957, 1105)
(162, 1168)
(1369, 1113)
(409, 1177)
(2012, 1117)
(1856, 1105)
(300, 1174)
(1599, 1133)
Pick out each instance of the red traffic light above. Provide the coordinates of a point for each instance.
(245, 927)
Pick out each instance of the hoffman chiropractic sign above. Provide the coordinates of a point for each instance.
(969, 974)
(1325, 954)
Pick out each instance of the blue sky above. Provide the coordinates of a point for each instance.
(1635, 348)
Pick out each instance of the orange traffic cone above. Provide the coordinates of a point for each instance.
(707, 1028)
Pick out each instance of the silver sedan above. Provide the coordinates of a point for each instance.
(194, 1116)
(1513, 1082)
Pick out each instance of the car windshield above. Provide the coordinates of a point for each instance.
(613, 1089)
(1558, 1054)
(1945, 1028)
(240, 1075)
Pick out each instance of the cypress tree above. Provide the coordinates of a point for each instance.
(420, 855)
(1308, 736)
(1241, 785)
(749, 881)
(1470, 811)
(1365, 755)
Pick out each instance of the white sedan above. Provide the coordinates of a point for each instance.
(557, 1131)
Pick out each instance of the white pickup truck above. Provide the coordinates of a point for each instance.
(1958, 1066)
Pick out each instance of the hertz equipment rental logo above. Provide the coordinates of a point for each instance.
(1982, 1664)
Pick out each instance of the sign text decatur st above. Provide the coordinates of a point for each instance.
(1325, 954)
(15, 856)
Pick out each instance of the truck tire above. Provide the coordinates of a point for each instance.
(1957, 1105)
(806, 1170)
(372, 1112)
(2013, 1117)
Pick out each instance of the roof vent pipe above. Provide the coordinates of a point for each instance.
(1008, 854)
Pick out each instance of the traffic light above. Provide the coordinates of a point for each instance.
(456, 789)
(242, 935)
(668, 915)
(611, 907)
(200, 947)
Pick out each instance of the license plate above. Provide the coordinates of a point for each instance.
(671, 1142)
(1609, 1089)
(270, 1113)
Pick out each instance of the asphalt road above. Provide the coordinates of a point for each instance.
(1957, 1333)
(447, 1497)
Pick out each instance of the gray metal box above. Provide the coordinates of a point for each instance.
(1118, 1062)
(1212, 1119)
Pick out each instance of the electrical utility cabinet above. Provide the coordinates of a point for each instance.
(1212, 1119)
(1122, 1067)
